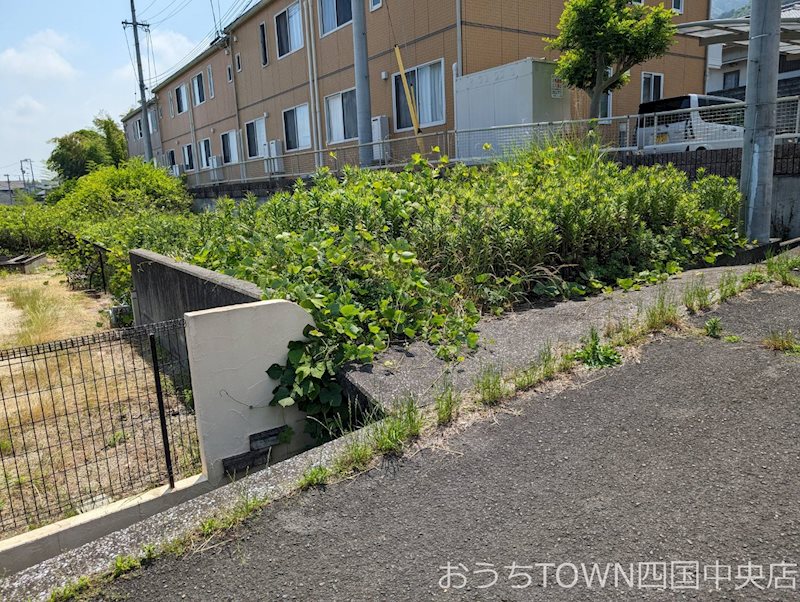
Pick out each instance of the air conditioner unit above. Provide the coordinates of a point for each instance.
(274, 164)
(216, 162)
(380, 135)
(217, 174)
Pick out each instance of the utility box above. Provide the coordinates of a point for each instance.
(496, 107)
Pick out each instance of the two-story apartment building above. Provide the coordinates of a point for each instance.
(133, 127)
(280, 81)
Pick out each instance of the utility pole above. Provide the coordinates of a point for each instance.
(361, 68)
(758, 154)
(10, 195)
(148, 146)
(33, 179)
(22, 171)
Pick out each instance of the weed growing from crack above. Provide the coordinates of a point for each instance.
(595, 354)
(786, 342)
(697, 296)
(447, 405)
(728, 286)
(489, 385)
(314, 476)
(713, 328)
(662, 314)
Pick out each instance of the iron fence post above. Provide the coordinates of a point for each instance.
(161, 413)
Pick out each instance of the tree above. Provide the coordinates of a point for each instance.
(83, 151)
(601, 40)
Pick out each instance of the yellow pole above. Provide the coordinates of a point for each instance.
(412, 107)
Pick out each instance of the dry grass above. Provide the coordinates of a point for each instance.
(79, 427)
(44, 309)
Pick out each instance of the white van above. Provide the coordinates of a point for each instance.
(691, 122)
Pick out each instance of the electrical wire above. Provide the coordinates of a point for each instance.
(233, 13)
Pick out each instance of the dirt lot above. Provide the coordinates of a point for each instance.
(50, 310)
(686, 453)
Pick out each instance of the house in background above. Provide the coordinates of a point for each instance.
(132, 125)
(278, 84)
(727, 67)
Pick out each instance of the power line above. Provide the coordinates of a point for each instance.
(238, 8)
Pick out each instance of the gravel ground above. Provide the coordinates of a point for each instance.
(688, 452)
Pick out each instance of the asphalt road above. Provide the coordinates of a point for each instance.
(688, 455)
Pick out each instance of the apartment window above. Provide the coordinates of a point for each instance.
(204, 149)
(606, 101)
(171, 107)
(152, 121)
(188, 157)
(229, 70)
(334, 14)
(427, 83)
(677, 6)
(210, 82)
(256, 136)
(296, 128)
(375, 4)
(170, 158)
(238, 59)
(230, 152)
(262, 38)
(730, 80)
(138, 129)
(289, 30)
(199, 89)
(652, 86)
(341, 116)
(180, 98)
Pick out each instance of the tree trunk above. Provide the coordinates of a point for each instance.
(596, 97)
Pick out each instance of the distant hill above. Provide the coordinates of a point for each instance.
(731, 9)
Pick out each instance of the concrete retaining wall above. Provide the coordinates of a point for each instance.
(230, 350)
(166, 289)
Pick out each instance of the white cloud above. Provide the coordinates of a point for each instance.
(169, 48)
(38, 57)
(27, 108)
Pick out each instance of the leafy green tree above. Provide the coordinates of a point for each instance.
(601, 40)
(114, 137)
(83, 151)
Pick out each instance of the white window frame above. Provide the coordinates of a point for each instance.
(263, 47)
(302, 29)
(185, 157)
(138, 130)
(322, 32)
(373, 5)
(205, 160)
(233, 145)
(186, 100)
(171, 159)
(238, 60)
(262, 152)
(327, 119)
(283, 123)
(661, 87)
(210, 76)
(152, 120)
(197, 88)
(679, 8)
(444, 99)
(171, 105)
(229, 71)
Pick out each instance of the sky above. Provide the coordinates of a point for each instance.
(63, 62)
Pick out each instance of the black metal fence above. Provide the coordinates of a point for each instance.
(89, 420)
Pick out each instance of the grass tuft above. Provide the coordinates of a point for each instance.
(447, 405)
(728, 286)
(786, 342)
(662, 314)
(314, 476)
(355, 457)
(595, 354)
(404, 424)
(71, 590)
(489, 386)
(697, 296)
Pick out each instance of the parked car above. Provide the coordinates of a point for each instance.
(690, 122)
